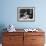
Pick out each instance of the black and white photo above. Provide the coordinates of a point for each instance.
(25, 14)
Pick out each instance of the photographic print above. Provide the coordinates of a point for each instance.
(25, 14)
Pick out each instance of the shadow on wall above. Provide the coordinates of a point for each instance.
(2, 29)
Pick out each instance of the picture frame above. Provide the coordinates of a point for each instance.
(26, 14)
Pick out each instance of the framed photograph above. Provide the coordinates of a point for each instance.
(26, 14)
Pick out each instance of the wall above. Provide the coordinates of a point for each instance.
(8, 13)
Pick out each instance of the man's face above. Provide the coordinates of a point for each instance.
(25, 13)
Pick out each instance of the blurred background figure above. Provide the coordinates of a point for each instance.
(26, 14)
